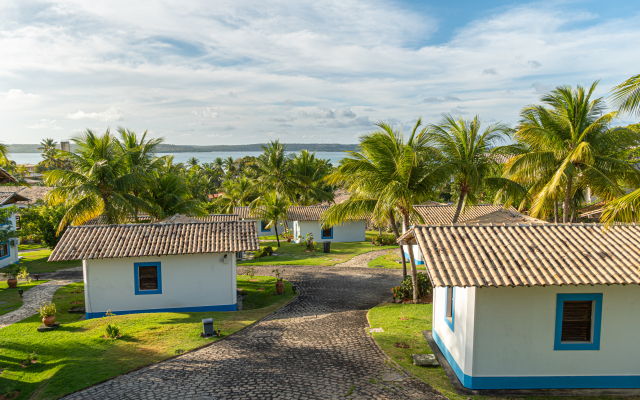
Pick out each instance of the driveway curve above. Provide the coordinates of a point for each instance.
(316, 347)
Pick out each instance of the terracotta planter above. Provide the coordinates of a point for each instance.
(49, 320)
(279, 287)
(13, 283)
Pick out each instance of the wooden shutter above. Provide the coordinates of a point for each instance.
(148, 277)
(326, 232)
(449, 302)
(576, 321)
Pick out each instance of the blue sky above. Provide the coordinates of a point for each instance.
(249, 71)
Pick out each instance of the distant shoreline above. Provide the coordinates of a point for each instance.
(175, 148)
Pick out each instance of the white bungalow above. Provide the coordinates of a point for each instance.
(535, 306)
(244, 214)
(9, 249)
(442, 214)
(307, 220)
(168, 267)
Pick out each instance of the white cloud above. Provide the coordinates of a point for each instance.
(17, 94)
(110, 114)
(360, 121)
(490, 71)
(207, 112)
(441, 99)
(345, 113)
(51, 124)
(185, 135)
(322, 112)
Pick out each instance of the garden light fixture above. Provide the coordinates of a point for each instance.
(20, 291)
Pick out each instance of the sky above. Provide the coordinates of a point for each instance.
(242, 72)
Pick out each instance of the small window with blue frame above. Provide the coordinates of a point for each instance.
(263, 226)
(578, 321)
(148, 278)
(327, 233)
(4, 249)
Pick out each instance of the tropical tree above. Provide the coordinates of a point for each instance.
(141, 153)
(274, 172)
(271, 207)
(238, 193)
(218, 165)
(466, 150)
(169, 194)
(193, 162)
(571, 147)
(47, 144)
(311, 172)
(4, 154)
(626, 96)
(99, 184)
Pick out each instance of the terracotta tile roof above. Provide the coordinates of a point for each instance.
(141, 240)
(529, 255)
(101, 220)
(443, 213)
(242, 212)
(179, 219)
(308, 213)
(6, 177)
(11, 198)
(219, 217)
(35, 193)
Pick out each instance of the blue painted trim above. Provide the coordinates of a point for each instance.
(223, 307)
(136, 276)
(262, 228)
(322, 236)
(597, 321)
(453, 306)
(8, 250)
(418, 262)
(537, 382)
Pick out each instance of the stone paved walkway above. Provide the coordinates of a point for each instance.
(32, 299)
(363, 259)
(314, 348)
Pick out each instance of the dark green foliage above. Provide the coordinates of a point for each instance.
(405, 290)
(384, 240)
(41, 223)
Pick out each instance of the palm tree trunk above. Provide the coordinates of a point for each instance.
(555, 210)
(379, 230)
(414, 270)
(456, 216)
(392, 220)
(275, 226)
(567, 202)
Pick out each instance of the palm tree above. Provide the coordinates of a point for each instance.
(274, 171)
(271, 207)
(571, 147)
(193, 162)
(99, 184)
(311, 171)
(4, 154)
(47, 145)
(141, 152)
(466, 152)
(387, 176)
(218, 165)
(169, 194)
(238, 193)
(626, 96)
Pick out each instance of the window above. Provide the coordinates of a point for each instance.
(18, 225)
(578, 319)
(148, 278)
(4, 250)
(263, 226)
(327, 233)
(449, 312)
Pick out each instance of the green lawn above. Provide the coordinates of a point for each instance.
(387, 316)
(76, 355)
(30, 246)
(36, 262)
(294, 254)
(389, 261)
(12, 297)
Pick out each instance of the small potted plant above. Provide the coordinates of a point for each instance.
(12, 272)
(48, 313)
(279, 282)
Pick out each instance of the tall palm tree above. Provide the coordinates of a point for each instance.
(99, 184)
(388, 175)
(271, 207)
(141, 152)
(4, 154)
(218, 165)
(572, 147)
(193, 162)
(274, 171)
(626, 96)
(238, 193)
(169, 194)
(466, 152)
(311, 171)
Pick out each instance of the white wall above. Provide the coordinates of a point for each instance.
(13, 250)
(353, 231)
(271, 230)
(515, 327)
(459, 341)
(193, 280)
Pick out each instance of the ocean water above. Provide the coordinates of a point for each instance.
(203, 157)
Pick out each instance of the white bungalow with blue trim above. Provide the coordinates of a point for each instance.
(535, 306)
(262, 227)
(9, 249)
(307, 220)
(158, 267)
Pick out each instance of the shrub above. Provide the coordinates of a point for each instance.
(405, 290)
(307, 242)
(384, 240)
(113, 331)
(12, 271)
(47, 310)
(269, 250)
(263, 252)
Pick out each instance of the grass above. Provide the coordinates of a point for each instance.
(387, 316)
(36, 262)
(389, 261)
(76, 355)
(30, 246)
(12, 297)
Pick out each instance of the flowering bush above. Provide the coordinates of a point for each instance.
(383, 240)
(405, 290)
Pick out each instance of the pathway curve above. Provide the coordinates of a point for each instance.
(362, 260)
(32, 299)
(316, 347)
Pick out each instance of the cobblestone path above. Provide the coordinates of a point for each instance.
(32, 299)
(362, 260)
(316, 347)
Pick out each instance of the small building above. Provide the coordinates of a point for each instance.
(307, 220)
(244, 213)
(158, 267)
(535, 306)
(442, 214)
(9, 249)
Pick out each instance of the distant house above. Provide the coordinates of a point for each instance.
(442, 214)
(535, 306)
(158, 267)
(244, 213)
(307, 220)
(34, 193)
(6, 177)
(9, 249)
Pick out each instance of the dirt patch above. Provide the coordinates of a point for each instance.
(401, 345)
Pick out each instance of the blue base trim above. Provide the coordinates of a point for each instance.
(537, 382)
(418, 262)
(224, 307)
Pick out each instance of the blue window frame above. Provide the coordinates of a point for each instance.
(596, 321)
(148, 278)
(263, 225)
(5, 250)
(326, 233)
(450, 306)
